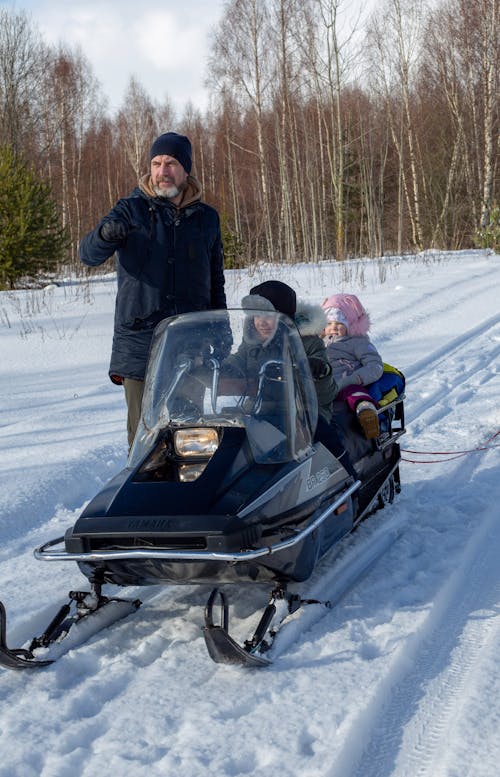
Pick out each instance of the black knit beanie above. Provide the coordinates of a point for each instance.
(281, 296)
(172, 144)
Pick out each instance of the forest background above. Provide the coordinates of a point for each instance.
(327, 136)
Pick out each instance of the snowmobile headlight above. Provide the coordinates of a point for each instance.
(196, 442)
(190, 472)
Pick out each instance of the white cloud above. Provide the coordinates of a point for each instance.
(164, 46)
(164, 40)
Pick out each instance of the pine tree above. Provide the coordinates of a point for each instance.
(489, 236)
(32, 239)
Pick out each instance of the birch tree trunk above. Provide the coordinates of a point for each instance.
(239, 66)
(490, 64)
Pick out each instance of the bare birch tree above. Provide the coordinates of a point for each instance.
(329, 52)
(70, 105)
(136, 127)
(240, 65)
(23, 58)
(462, 63)
(490, 64)
(395, 37)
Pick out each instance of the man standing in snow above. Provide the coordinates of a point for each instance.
(169, 260)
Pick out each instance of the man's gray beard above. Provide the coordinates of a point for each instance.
(169, 193)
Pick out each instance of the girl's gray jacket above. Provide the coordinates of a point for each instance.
(354, 360)
(170, 262)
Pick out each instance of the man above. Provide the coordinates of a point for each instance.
(169, 260)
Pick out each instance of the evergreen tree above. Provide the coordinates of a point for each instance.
(234, 250)
(31, 236)
(489, 236)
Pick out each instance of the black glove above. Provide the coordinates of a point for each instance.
(184, 361)
(319, 367)
(222, 338)
(193, 356)
(114, 231)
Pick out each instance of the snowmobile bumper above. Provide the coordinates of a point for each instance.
(49, 552)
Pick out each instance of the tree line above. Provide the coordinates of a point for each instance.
(329, 135)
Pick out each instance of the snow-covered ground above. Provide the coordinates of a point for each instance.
(401, 678)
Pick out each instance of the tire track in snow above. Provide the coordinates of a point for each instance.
(435, 359)
(410, 724)
(334, 578)
(463, 291)
(70, 483)
(468, 360)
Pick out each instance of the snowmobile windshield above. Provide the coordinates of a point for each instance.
(221, 368)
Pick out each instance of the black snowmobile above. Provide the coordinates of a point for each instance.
(224, 484)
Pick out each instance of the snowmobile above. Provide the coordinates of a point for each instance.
(224, 484)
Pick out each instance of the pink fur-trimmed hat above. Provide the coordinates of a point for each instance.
(351, 310)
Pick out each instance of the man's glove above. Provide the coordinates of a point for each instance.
(221, 339)
(319, 367)
(114, 231)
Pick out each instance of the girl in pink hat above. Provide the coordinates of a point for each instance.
(355, 360)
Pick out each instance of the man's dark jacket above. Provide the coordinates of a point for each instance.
(170, 262)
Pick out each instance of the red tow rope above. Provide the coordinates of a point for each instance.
(451, 455)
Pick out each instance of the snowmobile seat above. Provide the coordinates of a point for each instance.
(391, 419)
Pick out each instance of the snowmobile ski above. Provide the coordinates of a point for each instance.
(87, 614)
(15, 658)
(223, 649)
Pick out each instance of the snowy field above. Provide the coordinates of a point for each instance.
(401, 678)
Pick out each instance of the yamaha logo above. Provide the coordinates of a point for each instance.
(152, 524)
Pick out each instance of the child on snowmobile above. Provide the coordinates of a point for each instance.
(310, 321)
(354, 359)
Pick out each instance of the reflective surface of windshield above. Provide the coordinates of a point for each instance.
(230, 368)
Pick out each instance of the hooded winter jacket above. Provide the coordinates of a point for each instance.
(355, 360)
(170, 262)
(310, 321)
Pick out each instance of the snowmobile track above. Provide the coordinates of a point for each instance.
(445, 655)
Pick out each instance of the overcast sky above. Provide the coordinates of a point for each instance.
(163, 43)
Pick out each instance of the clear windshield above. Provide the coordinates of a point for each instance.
(230, 368)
